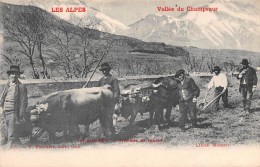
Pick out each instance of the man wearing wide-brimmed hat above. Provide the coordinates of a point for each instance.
(13, 103)
(188, 92)
(108, 79)
(248, 83)
(220, 83)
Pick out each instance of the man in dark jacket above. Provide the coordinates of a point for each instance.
(14, 104)
(110, 80)
(188, 92)
(248, 82)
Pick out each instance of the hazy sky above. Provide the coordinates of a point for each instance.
(130, 11)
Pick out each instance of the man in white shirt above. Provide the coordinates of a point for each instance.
(219, 81)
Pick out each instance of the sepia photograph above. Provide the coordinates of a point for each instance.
(129, 83)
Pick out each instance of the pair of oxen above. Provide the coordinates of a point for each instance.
(66, 110)
(162, 94)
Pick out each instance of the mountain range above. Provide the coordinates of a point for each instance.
(39, 41)
(236, 25)
(91, 18)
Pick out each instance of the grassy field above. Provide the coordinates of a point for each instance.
(227, 127)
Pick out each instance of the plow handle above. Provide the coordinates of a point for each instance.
(212, 100)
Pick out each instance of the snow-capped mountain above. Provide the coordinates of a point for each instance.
(91, 18)
(235, 25)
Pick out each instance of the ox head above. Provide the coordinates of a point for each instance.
(165, 90)
(145, 99)
(128, 100)
(38, 116)
(37, 111)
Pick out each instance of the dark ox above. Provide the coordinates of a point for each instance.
(132, 103)
(66, 110)
(164, 96)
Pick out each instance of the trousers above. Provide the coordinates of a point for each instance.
(10, 127)
(187, 107)
(247, 95)
(224, 96)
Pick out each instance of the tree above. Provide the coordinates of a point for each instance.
(19, 29)
(27, 28)
(87, 52)
(41, 29)
(62, 36)
(194, 63)
(212, 60)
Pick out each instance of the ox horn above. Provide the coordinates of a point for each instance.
(156, 85)
(44, 106)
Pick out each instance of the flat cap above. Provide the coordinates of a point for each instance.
(179, 72)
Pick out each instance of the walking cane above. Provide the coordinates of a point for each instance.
(86, 85)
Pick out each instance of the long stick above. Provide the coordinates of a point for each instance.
(86, 85)
(203, 102)
(212, 100)
(4, 90)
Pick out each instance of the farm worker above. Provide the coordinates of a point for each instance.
(110, 80)
(13, 104)
(113, 82)
(188, 92)
(248, 82)
(220, 83)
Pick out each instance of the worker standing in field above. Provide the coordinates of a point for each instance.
(110, 80)
(188, 92)
(220, 83)
(248, 83)
(14, 104)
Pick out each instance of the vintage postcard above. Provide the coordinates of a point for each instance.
(130, 83)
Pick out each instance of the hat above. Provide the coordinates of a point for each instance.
(105, 66)
(14, 68)
(216, 68)
(245, 62)
(179, 72)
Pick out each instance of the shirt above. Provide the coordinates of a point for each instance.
(10, 97)
(241, 75)
(182, 91)
(219, 80)
(188, 89)
(113, 82)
